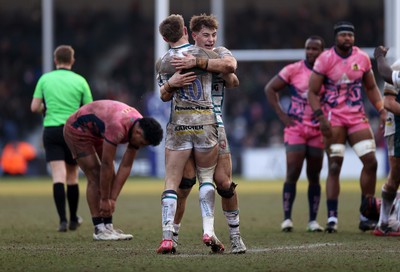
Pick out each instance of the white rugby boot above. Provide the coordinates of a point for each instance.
(287, 225)
(313, 226)
(237, 245)
(104, 235)
(119, 233)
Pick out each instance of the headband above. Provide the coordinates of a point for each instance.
(343, 27)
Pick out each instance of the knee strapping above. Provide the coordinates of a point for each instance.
(336, 150)
(205, 174)
(187, 183)
(229, 193)
(364, 147)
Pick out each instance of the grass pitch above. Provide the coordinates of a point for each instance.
(29, 240)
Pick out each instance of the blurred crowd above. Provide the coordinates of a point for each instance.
(114, 52)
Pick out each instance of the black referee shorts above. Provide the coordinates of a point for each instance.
(55, 147)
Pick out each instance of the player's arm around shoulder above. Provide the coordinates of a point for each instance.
(231, 80)
(176, 81)
(166, 93)
(217, 64)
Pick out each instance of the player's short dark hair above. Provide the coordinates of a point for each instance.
(172, 27)
(64, 54)
(318, 38)
(153, 132)
(197, 22)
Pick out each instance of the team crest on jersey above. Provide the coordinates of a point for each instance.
(355, 67)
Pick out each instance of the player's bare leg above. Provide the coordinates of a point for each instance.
(229, 201)
(174, 164)
(363, 144)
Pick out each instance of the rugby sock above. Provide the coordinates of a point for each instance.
(98, 223)
(207, 204)
(232, 217)
(288, 196)
(314, 196)
(59, 200)
(73, 200)
(97, 220)
(386, 205)
(332, 205)
(176, 232)
(107, 220)
(176, 228)
(168, 209)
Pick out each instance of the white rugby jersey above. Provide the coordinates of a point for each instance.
(390, 125)
(191, 104)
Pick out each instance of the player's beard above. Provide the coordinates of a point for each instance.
(345, 47)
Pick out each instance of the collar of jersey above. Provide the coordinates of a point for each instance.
(182, 46)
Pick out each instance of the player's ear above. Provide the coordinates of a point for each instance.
(139, 132)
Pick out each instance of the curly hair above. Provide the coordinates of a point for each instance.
(153, 133)
(197, 22)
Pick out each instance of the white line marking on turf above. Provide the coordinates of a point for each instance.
(259, 250)
(308, 246)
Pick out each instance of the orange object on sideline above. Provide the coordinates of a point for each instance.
(15, 157)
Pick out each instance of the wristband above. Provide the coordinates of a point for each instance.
(318, 113)
(202, 63)
(168, 90)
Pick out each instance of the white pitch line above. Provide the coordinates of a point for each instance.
(308, 246)
(259, 250)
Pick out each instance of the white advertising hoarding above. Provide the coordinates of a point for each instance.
(270, 164)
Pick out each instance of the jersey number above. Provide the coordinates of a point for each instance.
(191, 93)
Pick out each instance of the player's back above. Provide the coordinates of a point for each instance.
(191, 104)
(107, 119)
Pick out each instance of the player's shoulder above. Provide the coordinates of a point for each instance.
(358, 51)
(328, 53)
(297, 65)
(76, 75)
(202, 52)
(222, 51)
(294, 67)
